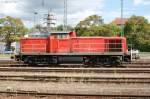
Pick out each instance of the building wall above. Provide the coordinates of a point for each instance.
(16, 45)
(2, 47)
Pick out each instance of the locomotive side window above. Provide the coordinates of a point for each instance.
(115, 45)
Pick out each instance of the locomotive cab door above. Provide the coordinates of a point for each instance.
(63, 43)
(60, 43)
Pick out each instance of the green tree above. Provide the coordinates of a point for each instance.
(36, 28)
(94, 26)
(89, 26)
(137, 31)
(93, 20)
(12, 30)
(60, 28)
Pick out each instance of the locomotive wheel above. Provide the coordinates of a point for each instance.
(118, 62)
(30, 61)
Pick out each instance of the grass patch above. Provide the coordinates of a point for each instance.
(5, 55)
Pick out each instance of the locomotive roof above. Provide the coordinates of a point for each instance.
(99, 37)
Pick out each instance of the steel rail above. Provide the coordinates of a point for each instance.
(82, 70)
(125, 65)
(85, 79)
(76, 70)
(36, 93)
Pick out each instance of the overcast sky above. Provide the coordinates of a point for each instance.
(77, 9)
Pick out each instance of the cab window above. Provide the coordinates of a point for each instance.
(62, 36)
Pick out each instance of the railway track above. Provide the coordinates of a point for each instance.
(49, 74)
(75, 70)
(73, 82)
(98, 80)
(125, 65)
(134, 64)
(23, 94)
(90, 75)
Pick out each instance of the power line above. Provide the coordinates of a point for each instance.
(43, 3)
(35, 13)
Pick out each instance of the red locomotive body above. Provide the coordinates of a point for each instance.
(98, 44)
(33, 45)
(66, 48)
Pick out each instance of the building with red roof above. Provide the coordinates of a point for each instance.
(119, 21)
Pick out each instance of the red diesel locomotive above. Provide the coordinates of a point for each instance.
(60, 48)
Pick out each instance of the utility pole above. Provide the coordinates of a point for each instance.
(122, 24)
(65, 15)
(35, 13)
(43, 3)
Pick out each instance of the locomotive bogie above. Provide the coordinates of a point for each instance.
(73, 59)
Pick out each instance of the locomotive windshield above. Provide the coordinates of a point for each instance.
(60, 35)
